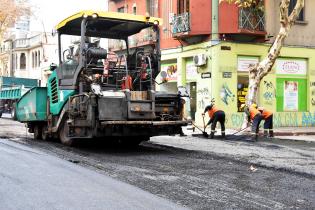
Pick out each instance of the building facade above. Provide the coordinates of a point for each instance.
(207, 48)
(29, 57)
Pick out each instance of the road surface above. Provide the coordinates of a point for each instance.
(32, 179)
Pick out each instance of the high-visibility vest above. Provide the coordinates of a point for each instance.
(265, 113)
(212, 111)
(253, 112)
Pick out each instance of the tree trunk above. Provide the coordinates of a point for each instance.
(259, 71)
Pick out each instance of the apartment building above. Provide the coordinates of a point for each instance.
(207, 48)
(29, 57)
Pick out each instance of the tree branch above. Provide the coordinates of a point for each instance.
(284, 12)
(296, 11)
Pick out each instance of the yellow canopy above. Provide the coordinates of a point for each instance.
(106, 24)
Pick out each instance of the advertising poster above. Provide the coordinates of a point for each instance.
(290, 96)
(244, 62)
(170, 71)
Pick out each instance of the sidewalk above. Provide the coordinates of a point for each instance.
(288, 133)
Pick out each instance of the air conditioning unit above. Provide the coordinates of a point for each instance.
(200, 60)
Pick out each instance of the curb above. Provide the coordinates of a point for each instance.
(294, 133)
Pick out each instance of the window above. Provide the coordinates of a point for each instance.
(121, 9)
(38, 61)
(134, 10)
(16, 61)
(35, 60)
(150, 7)
(291, 7)
(33, 63)
(183, 6)
(13, 63)
(23, 61)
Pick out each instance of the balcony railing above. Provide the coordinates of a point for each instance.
(27, 42)
(21, 43)
(181, 23)
(250, 19)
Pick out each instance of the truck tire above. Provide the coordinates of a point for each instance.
(0, 114)
(38, 132)
(63, 135)
(13, 112)
(44, 133)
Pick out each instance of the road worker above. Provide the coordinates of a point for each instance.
(215, 115)
(255, 117)
(268, 124)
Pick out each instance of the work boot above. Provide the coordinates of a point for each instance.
(254, 137)
(211, 135)
(271, 134)
(223, 134)
(265, 133)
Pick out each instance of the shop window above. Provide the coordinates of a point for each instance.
(193, 99)
(242, 89)
(291, 7)
(291, 95)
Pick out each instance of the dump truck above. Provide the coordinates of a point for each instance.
(11, 89)
(96, 93)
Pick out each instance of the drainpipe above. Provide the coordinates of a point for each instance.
(215, 20)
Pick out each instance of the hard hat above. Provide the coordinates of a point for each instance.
(254, 105)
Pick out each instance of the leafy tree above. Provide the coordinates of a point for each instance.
(10, 11)
(259, 71)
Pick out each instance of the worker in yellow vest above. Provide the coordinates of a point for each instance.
(215, 115)
(268, 124)
(255, 117)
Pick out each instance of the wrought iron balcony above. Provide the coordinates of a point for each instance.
(252, 20)
(181, 23)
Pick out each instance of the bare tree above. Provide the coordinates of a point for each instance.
(10, 12)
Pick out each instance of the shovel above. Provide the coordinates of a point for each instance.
(204, 126)
(203, 132)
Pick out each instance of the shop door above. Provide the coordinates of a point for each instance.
(242, 89)
(193, 99)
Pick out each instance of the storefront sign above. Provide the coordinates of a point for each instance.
(171, 71)
(291, 96)
(243, 62)
(291, 66)
(191, 71)
(206, 75)
(227, 74)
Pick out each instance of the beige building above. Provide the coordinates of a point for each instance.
(29, 57)
(302, 33)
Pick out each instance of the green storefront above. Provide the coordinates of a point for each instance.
(288, 90)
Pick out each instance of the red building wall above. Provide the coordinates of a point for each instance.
(201, 21)
(228, 18)
(166, 9)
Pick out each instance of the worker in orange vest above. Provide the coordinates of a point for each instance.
(255, 117)
(215, 115)
(268, 124)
